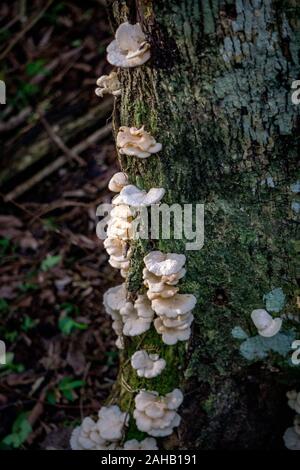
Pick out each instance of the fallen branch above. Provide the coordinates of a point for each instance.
(58, 163)
(20, 155)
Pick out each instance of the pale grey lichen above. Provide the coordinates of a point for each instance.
(258, 347)
(275, 300)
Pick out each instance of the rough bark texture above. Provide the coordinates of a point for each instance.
(217, 94)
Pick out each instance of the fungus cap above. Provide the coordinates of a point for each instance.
(135, 197)
(135, 142)
(117, 182)
(86, 436)
(147, 365)
(108, 84)
(161, 264)
(111, 422)
(171, 336)
(179, 304)
(116, 247)
(143, 307)
(156, 414)
(114, 298)
(266, 325)
(129, 48)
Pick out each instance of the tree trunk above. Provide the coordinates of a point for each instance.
(217, 94)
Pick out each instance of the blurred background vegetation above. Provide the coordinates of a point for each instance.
(57, 155)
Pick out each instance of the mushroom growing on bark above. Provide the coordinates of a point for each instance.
(162, 272)
(171, 307)
(136, 142)
(101, 434)
(156, 414)
(132, 196)
(174, 329)
(147, 365)
(164, 264)
(137, 317)
(117, 182)
(108, 84)
(129, 48)
(266, 325)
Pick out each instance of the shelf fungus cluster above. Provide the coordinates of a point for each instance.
(129, 318)
(157, 415)
(119, 232)
(147, 365)
(129, 48)
(291, 436)
(161, 275)
(120, 229)
(107, 433)
(132, 196)
(108, 84)
(136, 142)
(162, 307)
(101, 434)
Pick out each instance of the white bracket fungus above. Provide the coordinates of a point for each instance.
(147, 365)
(136, 142)
(137, 317)
(135, 197)
(161, 284)
(111, 422)
(162, 264)
(129, 48)
(156, 414)
(130, 319)
(101, 434)
(162, 272)
(171, 307)
(266, 325)
(113, 300)
(174, 329)
(147, 444)
(108, 84)
(119, 230)
(117, 182)
(86, 436)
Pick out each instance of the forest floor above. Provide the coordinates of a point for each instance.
(61, 359)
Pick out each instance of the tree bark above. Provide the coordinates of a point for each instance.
(217, 94)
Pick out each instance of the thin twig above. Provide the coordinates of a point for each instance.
(60, 144)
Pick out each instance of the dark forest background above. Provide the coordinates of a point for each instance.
(57, 155)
